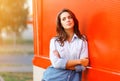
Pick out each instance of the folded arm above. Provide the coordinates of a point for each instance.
(71, 64)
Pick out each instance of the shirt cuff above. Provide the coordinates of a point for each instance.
(79, 68)
(63, 63)
(60, 63)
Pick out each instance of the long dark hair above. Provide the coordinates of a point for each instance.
(61, 34)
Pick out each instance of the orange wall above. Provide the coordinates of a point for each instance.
(99, 20)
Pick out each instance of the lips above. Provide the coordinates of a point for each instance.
(68, 24)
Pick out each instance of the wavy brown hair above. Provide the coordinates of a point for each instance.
(61, 34)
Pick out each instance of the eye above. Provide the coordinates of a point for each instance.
(63, 19)
(69, 17)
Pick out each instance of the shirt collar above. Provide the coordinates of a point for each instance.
(74, 37)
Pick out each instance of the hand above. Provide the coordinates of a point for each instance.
(84, 62)
(56, 53)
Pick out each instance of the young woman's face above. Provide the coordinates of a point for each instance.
(66, 20)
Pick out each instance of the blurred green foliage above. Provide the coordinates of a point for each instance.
(17, 76)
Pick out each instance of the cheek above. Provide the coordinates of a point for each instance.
(73, 23)
(63, 24)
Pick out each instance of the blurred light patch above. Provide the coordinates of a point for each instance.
(3, 34)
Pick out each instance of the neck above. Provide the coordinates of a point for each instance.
(70, 34)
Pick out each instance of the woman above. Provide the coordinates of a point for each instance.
(68, 50)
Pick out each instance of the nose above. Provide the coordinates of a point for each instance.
(67, 19)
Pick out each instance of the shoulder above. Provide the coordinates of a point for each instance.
(83, 38)
(53, 39)
(85, 43)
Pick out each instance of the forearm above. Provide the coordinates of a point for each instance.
(85, 62)
(72, 63)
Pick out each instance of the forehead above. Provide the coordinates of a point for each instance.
(65, 14)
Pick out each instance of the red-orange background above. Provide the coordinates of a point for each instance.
(98, 19)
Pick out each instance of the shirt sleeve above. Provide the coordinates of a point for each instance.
(56, 62)
(79, 68)
(84, 54)
(84, 51)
